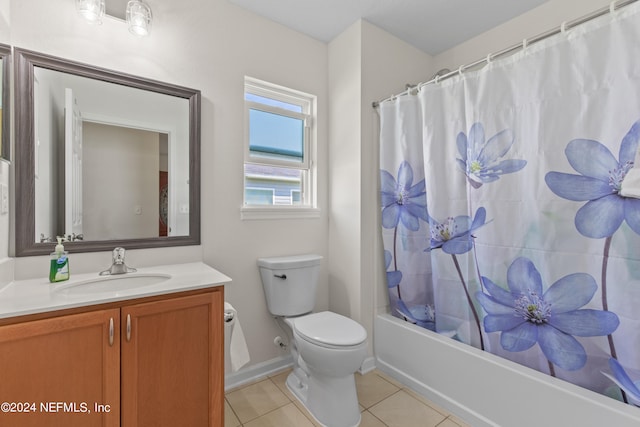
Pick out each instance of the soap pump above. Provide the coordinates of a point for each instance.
(59, 270)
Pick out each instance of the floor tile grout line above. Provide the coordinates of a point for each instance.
(411, 393)
(385, 379)
(383, 399)
(273, 410)
(233, 410)
(374, 416)
(268, 412)
(425, 401)
(440, 423)
(282, 391)
(446, 416)
(377, 402)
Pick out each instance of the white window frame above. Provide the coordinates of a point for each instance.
(308, 208)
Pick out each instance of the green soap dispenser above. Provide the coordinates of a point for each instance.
(59, 270)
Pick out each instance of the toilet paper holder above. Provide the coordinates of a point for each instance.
(228, 317)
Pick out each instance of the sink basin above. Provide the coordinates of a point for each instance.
(115, 284)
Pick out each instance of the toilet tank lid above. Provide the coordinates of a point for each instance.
(293, 261)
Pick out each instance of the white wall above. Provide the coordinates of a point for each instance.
(345, 92)
(208, 46)
(123, 201)
(366, 64)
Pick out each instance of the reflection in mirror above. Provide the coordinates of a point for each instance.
(105, 159)
(141, 209)
(5, 146)
(98, 164)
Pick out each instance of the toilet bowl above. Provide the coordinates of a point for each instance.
(327, 348)
(330, 356)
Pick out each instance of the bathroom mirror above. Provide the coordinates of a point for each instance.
(5, 145)
(103, 158)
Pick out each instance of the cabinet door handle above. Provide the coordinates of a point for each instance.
(128, 327)
(111, 331)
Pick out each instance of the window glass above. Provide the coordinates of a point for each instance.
(258, 196)
(276, 135)
(283, 185)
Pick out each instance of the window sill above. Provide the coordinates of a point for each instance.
(262, 212)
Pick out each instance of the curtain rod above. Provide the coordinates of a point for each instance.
(615, 5)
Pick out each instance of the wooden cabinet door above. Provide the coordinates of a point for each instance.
(55, 371)
(172, 362)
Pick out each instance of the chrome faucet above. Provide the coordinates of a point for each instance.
(117, 265)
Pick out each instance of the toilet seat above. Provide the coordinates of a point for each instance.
(328, 329)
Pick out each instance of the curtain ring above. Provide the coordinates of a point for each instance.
(525, 44)
(612, 7)
(437, 78)
(563, 27)
(460, 69)
(488, 59)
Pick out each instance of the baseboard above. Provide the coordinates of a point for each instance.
(368, 365)
(255, 372)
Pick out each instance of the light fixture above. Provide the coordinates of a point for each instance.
(138, 17)
(91, 10)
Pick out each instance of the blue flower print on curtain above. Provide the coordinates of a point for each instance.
(422, 315)
(598, 183)
(622, 380)
(454, 236)
(402, 202)
(480, 159)
(525, 315)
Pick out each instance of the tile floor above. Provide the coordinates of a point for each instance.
(383, 402)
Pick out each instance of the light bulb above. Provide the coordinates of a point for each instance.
(139, 18)
(91, 10)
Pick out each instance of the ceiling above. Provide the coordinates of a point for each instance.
(432, 26)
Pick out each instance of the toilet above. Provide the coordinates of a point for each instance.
(327, 348)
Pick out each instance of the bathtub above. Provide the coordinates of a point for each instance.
(487, 390)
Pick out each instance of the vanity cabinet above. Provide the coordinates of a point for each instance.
(70, 360)
(173, 362)
(149, 362)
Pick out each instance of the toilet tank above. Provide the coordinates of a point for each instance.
(290, 283)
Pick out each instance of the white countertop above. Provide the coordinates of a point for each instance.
(32, 296)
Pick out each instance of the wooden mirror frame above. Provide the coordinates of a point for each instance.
(25, 244)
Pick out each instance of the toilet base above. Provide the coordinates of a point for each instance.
(332, 402)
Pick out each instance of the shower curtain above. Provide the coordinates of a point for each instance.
(509, 213)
